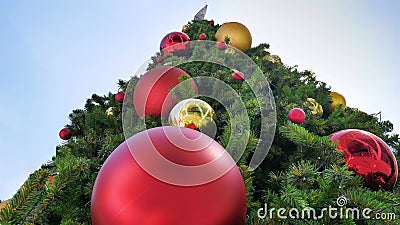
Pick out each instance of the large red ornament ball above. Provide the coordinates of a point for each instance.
(65, 133)
(297, 115)
(129, 188)
(119, 97)
(152, 90)
(174, 41)
(368, 156)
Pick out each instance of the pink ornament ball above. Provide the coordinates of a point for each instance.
(297, 116)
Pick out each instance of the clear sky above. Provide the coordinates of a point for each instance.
(56, 54)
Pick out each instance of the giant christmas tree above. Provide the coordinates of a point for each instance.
(301, 167)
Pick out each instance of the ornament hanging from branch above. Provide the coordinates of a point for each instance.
(369, 157)
(65, 133)
(120, 96)
(313, 106)
(110, 111)
(238, 35)
(174, 42)
(51, 178)
(297, 115)
(337, 99)
(194, 114)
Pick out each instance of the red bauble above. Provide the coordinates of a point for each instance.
(221, 45)
(202, 36)
(152, 90)
(238, 75)
(51, 178)
(297, 115)
(212, 22)
(119, 97)
(159, 59)
(125, 194)
(174, 41)
(368, 156)
(65, 133)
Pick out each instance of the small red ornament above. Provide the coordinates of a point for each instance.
(297, 115)
(152, 90)
(51, 178)
(65, 133)
(127, 191)
(221, 45)
(174, 41)
(159, 59)
(202, 36)
(119, 97)
(368, 156)
(238, 75)
(212, 22)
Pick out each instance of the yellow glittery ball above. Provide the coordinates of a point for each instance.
(193, 113)
(185, 28)
(238, 34)
(314, 107)
(274, 59)
(110, 111)
(337, 99)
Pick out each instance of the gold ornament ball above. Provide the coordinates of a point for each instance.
(337, 99)
(192, 113)
(110, 111)
(237, 33)
(314, 107)
(185, 28)
(274, 59)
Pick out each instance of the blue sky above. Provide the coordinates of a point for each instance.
(56, 54)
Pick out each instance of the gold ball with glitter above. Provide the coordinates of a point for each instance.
(273, 58)
(337, 99)
(110, 111)
(185, 28)
(195, 114)
(314, 107)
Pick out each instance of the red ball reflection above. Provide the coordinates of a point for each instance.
(369, 156)
(176, 39)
